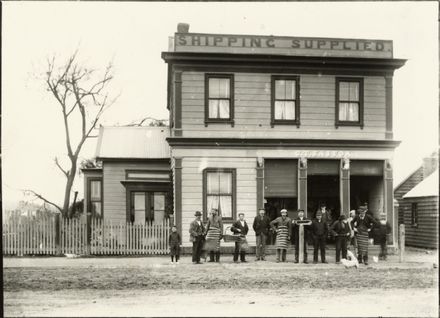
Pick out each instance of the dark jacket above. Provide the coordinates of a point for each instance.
(383, 231)
(340, 228)
(319, 228)
(237, 228)
(174, 239)
(261, 225)
(196, 230)
(368, 222)
(295, 230)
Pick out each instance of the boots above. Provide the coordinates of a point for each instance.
(278, 255)
(366, 259)
(360, 259)
(211, 256)
(284, 255)
(217, 257)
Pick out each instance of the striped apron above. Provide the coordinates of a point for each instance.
(362, 241)
(282, 237)
(212, 242)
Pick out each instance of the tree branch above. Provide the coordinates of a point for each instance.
(61, 168)
(39, 196)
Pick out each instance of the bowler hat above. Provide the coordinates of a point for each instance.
(198, 213)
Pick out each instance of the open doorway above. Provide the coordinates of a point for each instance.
(323, 189)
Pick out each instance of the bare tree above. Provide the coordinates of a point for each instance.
(82, 96)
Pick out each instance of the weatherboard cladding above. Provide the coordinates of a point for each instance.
(133, 142)
(253, 108)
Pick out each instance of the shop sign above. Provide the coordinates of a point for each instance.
(322, 154)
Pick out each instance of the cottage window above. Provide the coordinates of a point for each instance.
(285, 100)
(414, 214)
(95, 197)
(349, 102)
(219, 92)
(219, 192)
(147, 206)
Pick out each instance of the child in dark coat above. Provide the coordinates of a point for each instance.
(175, 242)
(382, 235)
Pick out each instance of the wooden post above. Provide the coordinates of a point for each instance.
(58, 233)
(402, 242)
(301, 243)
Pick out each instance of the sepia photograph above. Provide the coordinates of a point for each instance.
(220, 159)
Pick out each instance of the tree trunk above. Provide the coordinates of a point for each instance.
(69, 184)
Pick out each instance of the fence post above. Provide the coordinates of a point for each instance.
(301, 243)
(402, 242)
(88, 232)
(58, 233)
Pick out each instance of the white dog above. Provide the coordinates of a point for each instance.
(351, 260)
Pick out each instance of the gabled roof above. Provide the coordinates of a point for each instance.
(426, 188)
(133, 143)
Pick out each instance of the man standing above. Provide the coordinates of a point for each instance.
(341, 232)
(240, 227)
(319, 230)
(214, 231)
(197, 232)
(295, 230)
(362, 225)
(282, 226)
(261, 227)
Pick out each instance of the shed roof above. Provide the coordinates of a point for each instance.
(133, 143)
(426, 188)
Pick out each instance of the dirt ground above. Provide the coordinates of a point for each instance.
(151, 286)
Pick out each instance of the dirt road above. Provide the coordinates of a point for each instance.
(153, 287)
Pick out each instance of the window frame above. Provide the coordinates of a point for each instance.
(89, 196)
(360, 122)
(234, 191)
(229, 120)
(273, 120)
(414, 214)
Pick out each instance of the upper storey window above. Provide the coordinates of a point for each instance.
(219, 98)
(285, 100)
(349, 102)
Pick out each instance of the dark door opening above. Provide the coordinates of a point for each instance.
(323, 189)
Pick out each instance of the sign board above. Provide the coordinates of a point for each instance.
(299, 46)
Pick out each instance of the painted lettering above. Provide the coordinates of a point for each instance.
(231, 40)
(195, 40)
(379, 46)
(181, 40)
(334, 44)
(296, 44)
(367, 46)
(255, 42)
(308, 44)
(217, 40)
(270, 43)
(345, 46)
(321, 43)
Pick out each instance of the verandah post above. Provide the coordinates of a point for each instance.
(58, 233)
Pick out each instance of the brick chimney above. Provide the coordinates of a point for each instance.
(182, 28)
(430, 164)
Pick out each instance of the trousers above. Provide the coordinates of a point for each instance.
(197, 249)
(261, 245)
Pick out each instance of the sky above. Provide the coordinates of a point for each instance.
(133, 35)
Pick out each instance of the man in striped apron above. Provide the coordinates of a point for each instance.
(214, 232)
(282, 226)
(362, 225)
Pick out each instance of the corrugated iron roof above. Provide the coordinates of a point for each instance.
(133, 142)
(426, 188)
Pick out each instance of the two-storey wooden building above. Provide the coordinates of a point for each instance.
(279, 122)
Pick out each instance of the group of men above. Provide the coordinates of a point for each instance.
(353, 231)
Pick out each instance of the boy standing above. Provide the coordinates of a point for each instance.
(319, 230)
(384, 231)
(175, 242)
(240, 227)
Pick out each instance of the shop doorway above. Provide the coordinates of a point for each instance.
(323, 189)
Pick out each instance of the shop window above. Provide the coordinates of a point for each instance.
(95, 197)
(147, 207)
(219, 98)
(285, 100)
(219, 192)
(349, 102)
(414, 214)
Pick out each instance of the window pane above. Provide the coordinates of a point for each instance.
(159, 201)
(226, 182)
(224, 108)
(219, 88)
(280, 110)
(353, 92)
(343, 91)
(290, 110)
(280, 89)
(226, 206)
(212, 182)
(212, 201)
(95, 190)
(213, 108)
(348, 111)
(139, 207)
(290, 90)
(96, 209)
